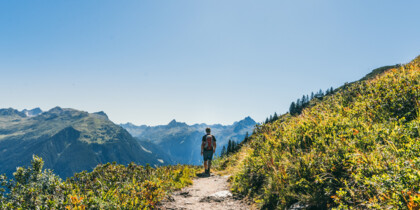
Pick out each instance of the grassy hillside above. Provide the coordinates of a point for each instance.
(357, 148)
(108, 186)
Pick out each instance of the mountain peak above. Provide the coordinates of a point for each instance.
(174, 123)
(56, 109)
(11, 112)
(128, 124)
(247, 121)
(32, 112)
(101, 113)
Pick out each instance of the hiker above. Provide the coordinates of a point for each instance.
(208, 148)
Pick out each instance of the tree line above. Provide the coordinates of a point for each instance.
(232, 146)
(297, 107)
(301, 103)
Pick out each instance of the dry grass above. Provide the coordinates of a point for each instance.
(233, 163)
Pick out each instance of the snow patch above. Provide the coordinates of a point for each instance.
(146, 150)
(160, 160)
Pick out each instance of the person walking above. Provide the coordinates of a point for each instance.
(208, 148)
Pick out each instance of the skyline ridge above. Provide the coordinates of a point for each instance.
(25, 111)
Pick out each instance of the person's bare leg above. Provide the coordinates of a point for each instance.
(205, 165)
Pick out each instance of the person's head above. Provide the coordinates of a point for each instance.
(208, 130)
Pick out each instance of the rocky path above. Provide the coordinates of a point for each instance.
(205, 193)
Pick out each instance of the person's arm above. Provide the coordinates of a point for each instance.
(202, 145)
(214, 145)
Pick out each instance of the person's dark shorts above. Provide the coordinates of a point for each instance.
(208, 155)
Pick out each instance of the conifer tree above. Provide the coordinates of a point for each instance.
(292, 109)
(229, 148)
(233, 146)
(246, 137)
(275, 117)
(298, 104)
(223, 154)
(320, 93)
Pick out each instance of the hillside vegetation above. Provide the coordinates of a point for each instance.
(356, 148)
(108, 186)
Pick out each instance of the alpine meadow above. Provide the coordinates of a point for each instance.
(358, 147)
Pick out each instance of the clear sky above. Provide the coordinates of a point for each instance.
(215, 61)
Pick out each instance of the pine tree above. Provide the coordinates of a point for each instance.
(298, 106)
(312, 95)
(229, 148)
(223, 154)
(275, 117)
(292, 109)
(233, 146)
(320, 93)
(246, 137)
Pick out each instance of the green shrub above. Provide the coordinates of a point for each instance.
(107, 186)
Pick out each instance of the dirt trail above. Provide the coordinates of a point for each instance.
(205, 193)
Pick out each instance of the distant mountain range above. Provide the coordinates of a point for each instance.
(181, 142)
(71, 141)
(68, 140)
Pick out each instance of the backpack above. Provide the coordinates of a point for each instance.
(208, 143)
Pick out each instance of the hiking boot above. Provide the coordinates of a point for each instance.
(207, 171)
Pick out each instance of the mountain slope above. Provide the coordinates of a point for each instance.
(68, 140)
(356, 148)
(181, 142)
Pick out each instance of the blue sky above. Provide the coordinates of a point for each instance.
(148, 62)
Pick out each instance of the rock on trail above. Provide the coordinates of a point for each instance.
(205, 193)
